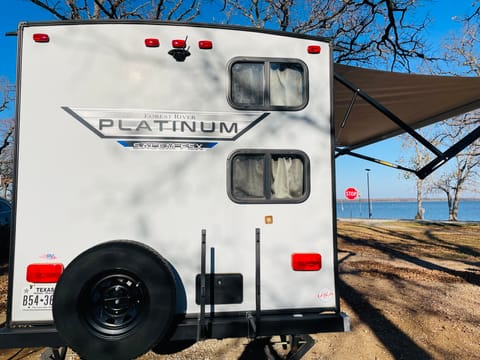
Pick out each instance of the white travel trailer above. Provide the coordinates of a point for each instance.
(174, 183)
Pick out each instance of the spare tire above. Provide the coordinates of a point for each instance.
(115, 301)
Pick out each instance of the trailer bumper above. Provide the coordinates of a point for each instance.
(31, 336)
(267, 325)
(220, 327)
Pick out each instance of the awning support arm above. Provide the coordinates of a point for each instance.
(388, 114)
(349, 110)
(449, 153)
(431, 166)
(368, 158)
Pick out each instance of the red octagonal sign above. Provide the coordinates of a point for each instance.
(351, 193)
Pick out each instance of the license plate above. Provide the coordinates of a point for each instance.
(38, 297)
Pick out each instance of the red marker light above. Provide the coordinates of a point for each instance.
(179, 44)
(205, 44)
(306, 262)
(41, 38)
(152, 42)
(44, 273)
(314, 49)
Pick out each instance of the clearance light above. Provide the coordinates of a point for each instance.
(314, 49)
(152, 42)
(205, 44)
(41, 38)
(44, 273)
(306, 262)
(179, 44)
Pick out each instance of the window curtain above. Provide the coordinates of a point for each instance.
(287, 176)
(286, 84)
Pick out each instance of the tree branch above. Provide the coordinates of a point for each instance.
(6, 138)
(51, 9)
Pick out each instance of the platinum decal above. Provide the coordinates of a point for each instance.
(166, 125)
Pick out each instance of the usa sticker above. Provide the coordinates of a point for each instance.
(325, 295)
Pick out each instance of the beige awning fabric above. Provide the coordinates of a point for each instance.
(417, 100)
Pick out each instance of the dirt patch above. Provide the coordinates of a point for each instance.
(410, 288)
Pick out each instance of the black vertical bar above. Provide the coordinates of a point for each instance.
(267, 175)
(201, 320)
(212, 282)
(257, 278)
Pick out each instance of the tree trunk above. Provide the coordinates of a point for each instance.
(451, 215)
(455, 203)
(454, 212)
(420, 209)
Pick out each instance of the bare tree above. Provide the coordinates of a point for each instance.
(181, 10)
(381, 32)
(462, 55)
(415, 160)
(7, 128)
(7, 93)
(463, 49)
(363, 32)
(466, 165)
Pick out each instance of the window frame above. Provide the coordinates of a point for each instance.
(266, 79)
(268, 154)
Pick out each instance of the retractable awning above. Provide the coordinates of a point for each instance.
(372, 105)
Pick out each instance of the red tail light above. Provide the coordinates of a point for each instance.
(314, 49)
(205, 44)
(306, 262)
(44, 273)
(179, 44)
(41, 38)
(152, 42)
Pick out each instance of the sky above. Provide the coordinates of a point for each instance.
(350, 172)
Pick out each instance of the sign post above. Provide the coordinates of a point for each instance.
(351, 194)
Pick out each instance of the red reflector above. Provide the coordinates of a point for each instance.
(179, 44)
(44, 273)
(314, 49)
(306, 262)
(42, 38)
(152, 42)
(205, 44)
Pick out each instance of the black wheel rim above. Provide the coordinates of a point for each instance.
(114, 303)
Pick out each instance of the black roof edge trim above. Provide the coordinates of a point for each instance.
(177, 23)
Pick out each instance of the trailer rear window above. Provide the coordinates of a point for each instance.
(259, 176)
(268, 84)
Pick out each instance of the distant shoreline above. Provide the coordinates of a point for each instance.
(401, 200)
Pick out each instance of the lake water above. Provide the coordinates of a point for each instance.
(468, 210)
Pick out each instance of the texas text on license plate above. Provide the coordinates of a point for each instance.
(38, 297)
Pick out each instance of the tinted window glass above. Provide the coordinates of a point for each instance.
(248, 177)
(248, 83)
